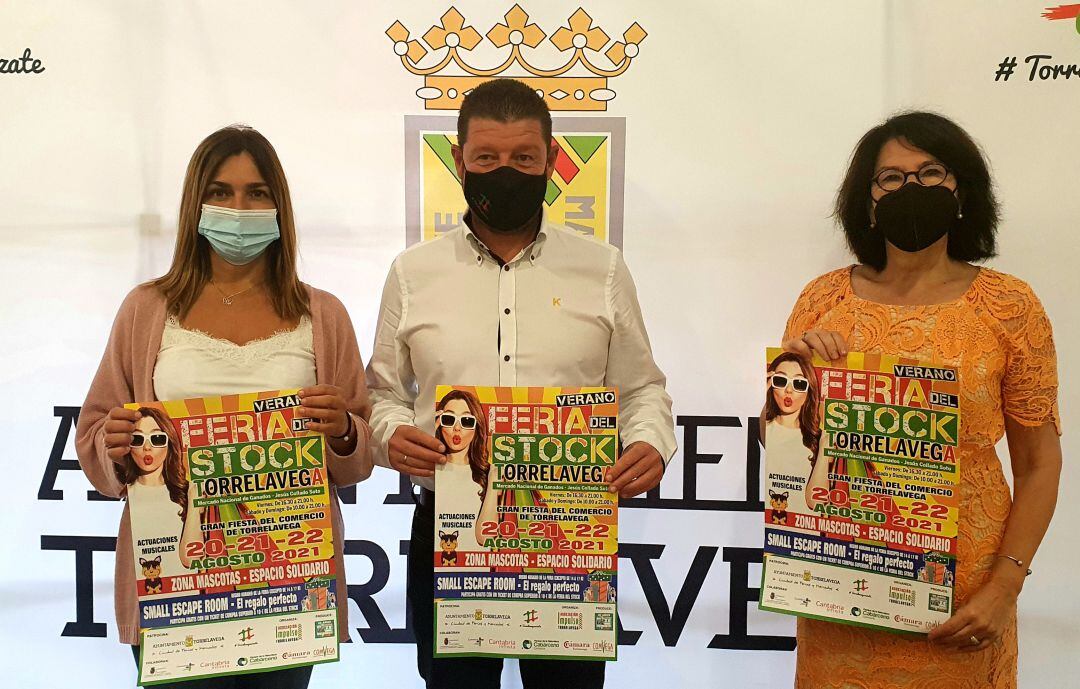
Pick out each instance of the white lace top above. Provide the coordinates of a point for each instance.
(192, 363)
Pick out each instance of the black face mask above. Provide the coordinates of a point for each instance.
(505, 198)
(913, 217)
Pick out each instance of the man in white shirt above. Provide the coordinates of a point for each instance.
(507, 299)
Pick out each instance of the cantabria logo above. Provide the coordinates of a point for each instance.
(586, 191)
(1064, 12)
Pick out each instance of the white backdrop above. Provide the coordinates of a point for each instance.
(740, 118)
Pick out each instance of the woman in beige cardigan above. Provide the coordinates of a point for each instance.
(229, 316)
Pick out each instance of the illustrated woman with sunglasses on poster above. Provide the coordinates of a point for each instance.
(154, 470)
(917, 207)
(463, 480)
(467, 477)
(230, 316)
(792, 429)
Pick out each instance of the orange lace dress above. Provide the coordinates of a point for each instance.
(999, 337)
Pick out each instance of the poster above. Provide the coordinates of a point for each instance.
(526, 531)
(862, 490)
(231, 529)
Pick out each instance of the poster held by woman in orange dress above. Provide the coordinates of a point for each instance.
(862, 483)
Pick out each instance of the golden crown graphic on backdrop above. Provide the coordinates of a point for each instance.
(586, 89)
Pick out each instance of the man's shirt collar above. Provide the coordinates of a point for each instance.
(480, 250)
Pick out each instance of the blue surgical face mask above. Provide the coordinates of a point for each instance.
(238, 236)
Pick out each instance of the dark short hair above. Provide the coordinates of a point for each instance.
(972, 239)
(503, 100)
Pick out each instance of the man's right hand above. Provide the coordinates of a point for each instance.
(413, 452)
(119, 426)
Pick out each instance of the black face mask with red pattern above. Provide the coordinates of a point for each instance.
(504, 198)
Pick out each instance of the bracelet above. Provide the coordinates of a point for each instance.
(1018, 562)
(348, 430)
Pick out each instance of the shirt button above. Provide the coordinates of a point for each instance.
(506, 311)
(506, 358)
(506, 268)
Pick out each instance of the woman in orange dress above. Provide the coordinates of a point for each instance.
(917, 206)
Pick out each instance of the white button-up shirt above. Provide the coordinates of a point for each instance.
(563, 313)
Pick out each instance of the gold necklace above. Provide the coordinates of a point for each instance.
(227, 299)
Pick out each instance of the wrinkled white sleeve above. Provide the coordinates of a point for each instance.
(389, 375)
(644, 405)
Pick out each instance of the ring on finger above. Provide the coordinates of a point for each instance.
(974, 640)
(405, 459)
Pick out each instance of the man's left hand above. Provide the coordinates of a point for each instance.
(638, 470)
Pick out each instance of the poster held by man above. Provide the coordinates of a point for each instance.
(527, 530)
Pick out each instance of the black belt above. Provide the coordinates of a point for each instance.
(425, 498)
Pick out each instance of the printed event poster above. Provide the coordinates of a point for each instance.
(526, 531)
(863, 497)
(230, 523)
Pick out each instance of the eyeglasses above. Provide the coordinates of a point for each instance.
(447, 420)
(157, 439)
(779, 381)
(929, 175)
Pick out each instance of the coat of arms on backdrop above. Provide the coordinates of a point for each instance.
(586, 190)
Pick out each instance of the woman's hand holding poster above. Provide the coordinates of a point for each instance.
(525, 526)
(862, 480)
(231, 528)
